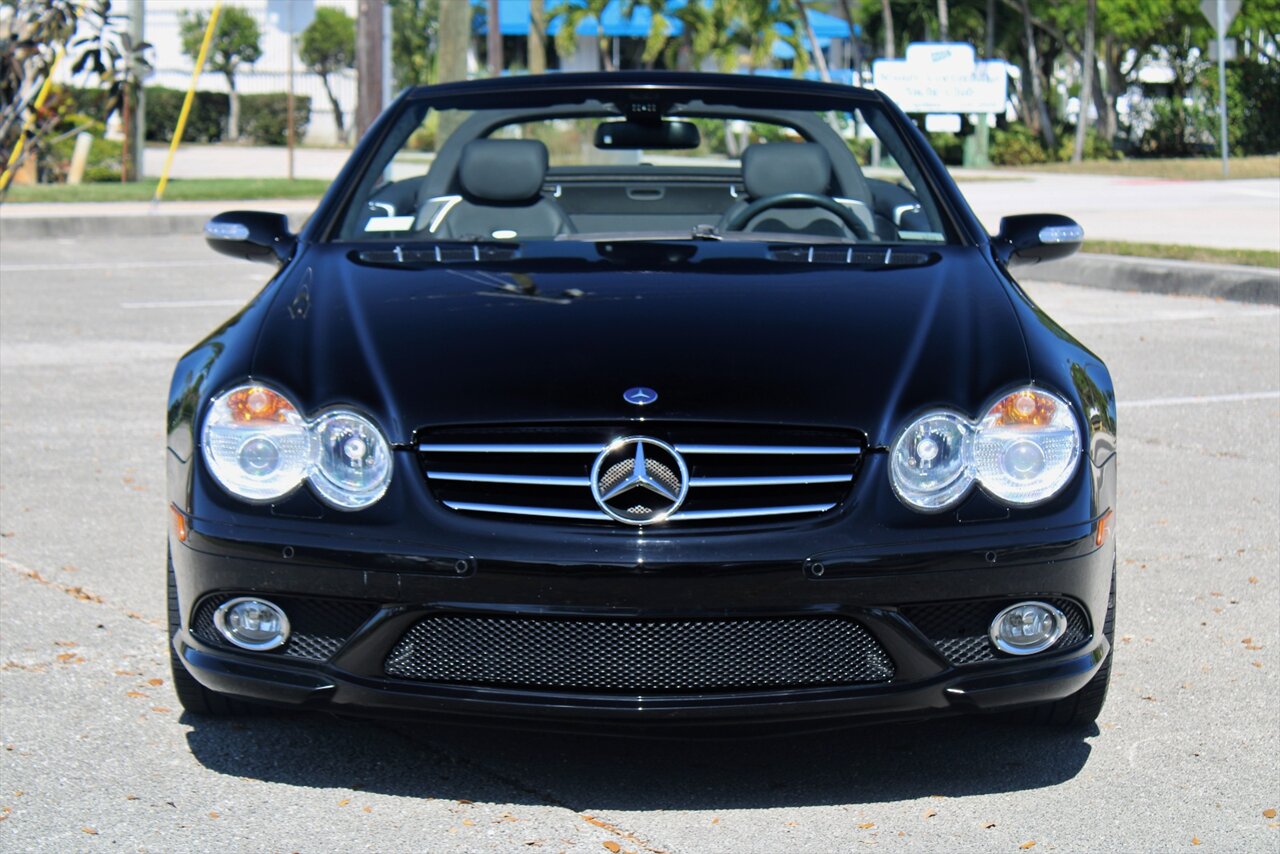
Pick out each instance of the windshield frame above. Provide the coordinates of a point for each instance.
(761, 95)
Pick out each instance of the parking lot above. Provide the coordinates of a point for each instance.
(96, 754)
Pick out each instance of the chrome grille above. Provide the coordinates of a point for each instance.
(735, 473)
(639, 655)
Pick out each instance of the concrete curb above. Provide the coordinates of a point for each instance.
(120, 225)
(1157, 276)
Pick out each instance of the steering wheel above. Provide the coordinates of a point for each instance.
(751, 211)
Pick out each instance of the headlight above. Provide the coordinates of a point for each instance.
(1023, 451)
(259, 447)
(353, 462)
(928, 465)
(1026, 446)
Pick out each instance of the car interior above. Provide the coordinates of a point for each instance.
(495, 179)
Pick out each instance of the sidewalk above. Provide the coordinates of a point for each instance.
(105, 219)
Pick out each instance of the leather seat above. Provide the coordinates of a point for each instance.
(769, 169)
(501, 187)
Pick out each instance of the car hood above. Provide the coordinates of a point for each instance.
(819, 345)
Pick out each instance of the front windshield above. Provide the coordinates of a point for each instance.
(600, 170)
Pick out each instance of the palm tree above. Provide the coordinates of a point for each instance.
(755, 27)
(572, 13)
(659, 28)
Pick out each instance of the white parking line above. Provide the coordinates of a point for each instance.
(191, 303)
(1208, 398)
(109, 265)
(1171, 316)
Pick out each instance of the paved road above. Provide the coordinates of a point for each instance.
(1227, 214)
(95, 755)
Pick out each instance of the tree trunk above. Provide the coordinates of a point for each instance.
(944, 20)
(606, 60)
(1086, 83)
(537, 37)
(814, 47)
(887, 12)
(1037, 86)
(989, 35)
(233, 109)
(493, 42)
(455, 36)
(337, 109)
(847, 7)
(1113, 86)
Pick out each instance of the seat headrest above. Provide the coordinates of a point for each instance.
(785, 167)
(505, 171)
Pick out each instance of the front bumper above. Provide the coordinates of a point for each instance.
(875, 587)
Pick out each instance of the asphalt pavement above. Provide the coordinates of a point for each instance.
(95, 753)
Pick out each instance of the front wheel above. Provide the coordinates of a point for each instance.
(1084, 706)
(193, 696)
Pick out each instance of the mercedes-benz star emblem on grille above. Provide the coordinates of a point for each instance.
(639, 481)
(640, 395)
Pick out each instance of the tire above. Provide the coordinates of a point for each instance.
(193, 696)
(1084, 706)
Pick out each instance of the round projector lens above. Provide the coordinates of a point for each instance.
(259, 456)
(252, 623)
(1027, 628)
(1024, 460)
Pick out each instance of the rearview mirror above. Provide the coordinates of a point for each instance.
(651, 135)
(251, 235)
(1035, 238)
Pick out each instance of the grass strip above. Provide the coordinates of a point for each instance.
(1176, 169)
(184, 190)
(1173, 252)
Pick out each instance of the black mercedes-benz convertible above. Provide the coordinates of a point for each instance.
(642, 398)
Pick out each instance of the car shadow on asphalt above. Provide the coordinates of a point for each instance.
(869, 764)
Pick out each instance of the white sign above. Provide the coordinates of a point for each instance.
(1228, 50)
(943, 77)
(942, 123)
(291, 16)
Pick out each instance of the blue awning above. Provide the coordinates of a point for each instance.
(513, 20)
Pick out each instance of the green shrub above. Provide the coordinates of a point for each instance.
(104, 154)
(89, 102)
(1253, 105)
(1095, 146)
(1016, 146)
(950, 147)
(101, 175)
(1178, 129)
(264, 118)
(206, 123)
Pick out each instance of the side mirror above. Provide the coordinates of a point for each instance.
(251, 235)
(1034, 238)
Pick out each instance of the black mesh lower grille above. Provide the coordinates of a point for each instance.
(959, 630)
(639, 655)
(318, 627)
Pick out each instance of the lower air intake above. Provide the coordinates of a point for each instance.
(958, 630)
(639, 655)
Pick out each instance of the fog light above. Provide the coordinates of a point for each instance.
(1027, 627)
(251, 623)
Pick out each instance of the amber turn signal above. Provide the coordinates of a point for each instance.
(180, 529)
(1104, 528)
